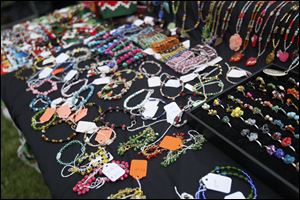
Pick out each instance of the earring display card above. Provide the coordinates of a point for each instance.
(257, 123)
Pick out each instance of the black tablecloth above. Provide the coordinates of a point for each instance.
(160, 181)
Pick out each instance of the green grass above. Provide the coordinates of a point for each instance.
(18, 180)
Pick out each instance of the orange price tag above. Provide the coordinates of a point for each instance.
(81, 114)
(138, 169)
(49, 112)
(171, 143)
(64, 111)
(57, 71)
(103, 135)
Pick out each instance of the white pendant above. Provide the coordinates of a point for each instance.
(274, 72)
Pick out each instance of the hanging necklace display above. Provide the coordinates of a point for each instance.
(235, 41)
(208, 22)
(175, 9)
(209, 30)
(275, 72)
(239, 55)
(284, 55)
(196, 25)
(253, 60)
(259, 23)
(215, 40)
(271, 56)
(225, 23)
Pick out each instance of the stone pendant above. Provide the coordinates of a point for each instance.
(219, 41)
(251, 62)
(270, 58)
(283, 55)
(254, 40)
(236, 57)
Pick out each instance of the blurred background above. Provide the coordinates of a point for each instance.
(13, 12)
(18, 179)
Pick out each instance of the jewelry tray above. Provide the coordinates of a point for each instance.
(280, 176)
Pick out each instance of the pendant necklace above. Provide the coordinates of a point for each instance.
(253, 60)
(284, 55)
(239, 55)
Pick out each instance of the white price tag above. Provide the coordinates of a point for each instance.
(70, 75)
(101, 81)
(35, 36)
(138, 22)
(45, 73)
(149, 111)
(45, 54)
(188, 77)
(189, 87)
(186, 44)
(62, 58)
(104, 69)
(236, 195)
(69, 101)
(217, 182)
(87, 40)
(149, 20)
(56, 102)
(25, 47)
(210, 63)
(154, 81)
(173, 31)
(86, 127)
(78, 25)
(48, 60)
(175, 83)
(149, 51)
(113, 171)
(234, 73)
(172, 111)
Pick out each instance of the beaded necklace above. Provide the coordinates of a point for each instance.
(284, 55)
(271, 56)
(235, 40)
(225, 23)
(259, 22)
(184, 17)
(253, 60)
(20, 71)
(214, 31)
(208, 22)
(239, 55)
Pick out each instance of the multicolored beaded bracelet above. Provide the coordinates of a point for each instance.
(44, 127)
(103, 114)
(229, 171)
(169, 77)
(33, 89)
(46, 100)
(106, 92)
(20, 71)
(138, 141)
(198, 141)
(134, 193)
(59, 154)
(147, 74)
(69, 138)
(85, 100)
